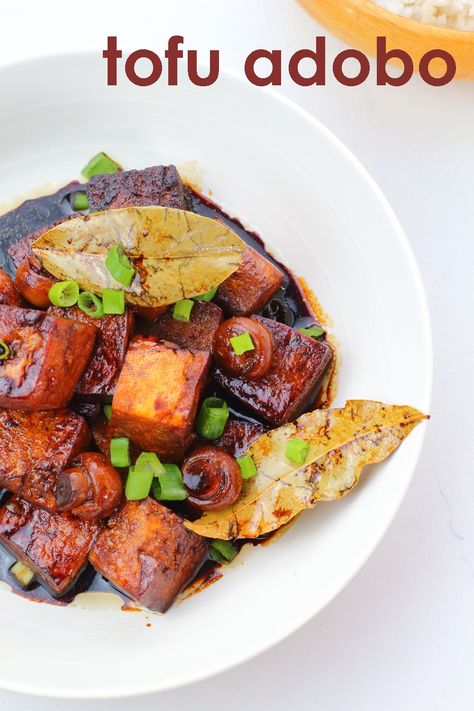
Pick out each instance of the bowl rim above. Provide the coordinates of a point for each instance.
(287, 630)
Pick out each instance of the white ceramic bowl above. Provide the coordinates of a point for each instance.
(284, 174)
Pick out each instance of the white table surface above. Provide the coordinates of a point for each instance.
(401, 635)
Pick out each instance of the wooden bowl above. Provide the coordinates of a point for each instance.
(360, 22)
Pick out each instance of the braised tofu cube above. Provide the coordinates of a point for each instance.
(48, 355)
(251, 287)
(196, 334)
(53, 546)
(35, 447)
(238, 435)
(157, 396)
(299, 363)
(148, 553)
(103, 431)
(158, 185)
(111, 343)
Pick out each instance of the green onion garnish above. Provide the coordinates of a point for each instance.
(208, 296)
(91, 304)
(22, 573)
(222, 551)
(100, 164)
(150, 461)
(119, 265)
(297, 450)
(313, 331)
(113, 301)
(80, 202)
(182, 310)
(169, 485)
(120, 452)
(4, 350)
(138, 483)
(212, 418)
(108, 412)
(247, 466)
(64, 293)
(241, 344)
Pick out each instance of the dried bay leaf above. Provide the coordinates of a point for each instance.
(342, 441)
(177, 254)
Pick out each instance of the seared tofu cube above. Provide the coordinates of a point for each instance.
(158, 185)
(238, 435)
(112, 336)
(54, 546)
(35, 447)
(196, 334)
(146, 552)
(293, 381)
(47, 357)
(251, 287)
(157, 395)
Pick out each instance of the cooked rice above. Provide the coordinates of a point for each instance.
(457, 14)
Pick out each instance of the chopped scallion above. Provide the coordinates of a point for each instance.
(100, 164)
(212, 418)
(182, 310)
(169, 485)
(108, 412)
(64, 293)
(4, 350)
(113, 301)
(149, 460)
(313, 331)
(22, 573)
(247, 466)
(119, 265)
(138, 483)
(222, 551)
(91, 304)
(241, 344)
(80, 202)
(208, 296)
(120, 452)
(297, 450)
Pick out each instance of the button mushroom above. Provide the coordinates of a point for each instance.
(9, 296)
(33, 283)
(244, 347)
(212, 479)
(90, 489)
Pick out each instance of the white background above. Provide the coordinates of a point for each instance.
(401, 635)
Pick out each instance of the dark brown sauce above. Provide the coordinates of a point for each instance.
(290, 306)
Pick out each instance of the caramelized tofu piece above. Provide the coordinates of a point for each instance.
(238, 435)
(157, 395)
(111, 342)
(35, 447)
(298, 365)
(103, 432)
(54, 546)
(197, 334)
(251, 287)
(47, 357)
(147, 553)
(158, 185)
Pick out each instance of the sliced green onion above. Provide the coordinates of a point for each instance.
(313, 331)
(212, 418)
(91, 304)
(80, 202)
(222, 551)
(150, 461)
(4, 350)
(100, 164)
(208, 296)
(247, 466)
(22, 573)
(120, 451)
(64, 293)
(108, 412)
(182, 310)
(113, 301)
(119, 265)
(241, 344)
(169, 485)
(138, 483)
(297, 450)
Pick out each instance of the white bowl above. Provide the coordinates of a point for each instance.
(284, 174)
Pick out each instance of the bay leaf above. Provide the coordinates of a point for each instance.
(176, 254)
(342, 442)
